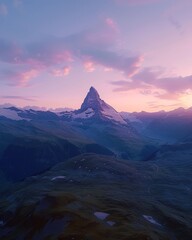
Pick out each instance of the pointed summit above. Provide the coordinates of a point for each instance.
(94, 107)
(92, 100)
(92, 90)
(93, 94)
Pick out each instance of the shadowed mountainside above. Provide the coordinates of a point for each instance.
(95, 196)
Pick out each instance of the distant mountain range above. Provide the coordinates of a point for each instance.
(166, 127)
(92, 108)
(162, 125)
(32, 141)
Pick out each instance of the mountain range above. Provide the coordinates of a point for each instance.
(92, 108)
(166, 127)
(94, 173)
(40, 139)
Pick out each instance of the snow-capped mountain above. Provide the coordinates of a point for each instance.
(94, 107)
(17, 114)
(9, 113)
(165, 126)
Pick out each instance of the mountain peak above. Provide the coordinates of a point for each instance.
(93, 93)
(94, 107)
(92, 89)
(92, 100)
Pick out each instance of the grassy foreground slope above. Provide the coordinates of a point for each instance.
(98, 197)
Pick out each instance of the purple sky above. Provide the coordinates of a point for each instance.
(136, 53)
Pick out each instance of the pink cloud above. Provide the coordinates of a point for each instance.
(108, 69)
(89, 66)
(47, 53)
(151, 80)
(61, 72)
(66, 71)
(27, 75)
(93, 47)
(52, 51)
(112, 24)
(168, 95)
(19, 78)
(156, 105)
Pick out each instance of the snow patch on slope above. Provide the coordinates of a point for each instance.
(101, 215)
(66, 113)
(86, 114)
(130, 117)
(11, 114)
(151, 220)
(111, 114)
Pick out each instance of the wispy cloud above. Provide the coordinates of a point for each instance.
(10, 51)
(156, 105)
(18, 77)
(93, 47)
(176, 24)
(155, 82)
(3, 9)
(61, 72)
(31, 99)
(17, 3)
(89, 66)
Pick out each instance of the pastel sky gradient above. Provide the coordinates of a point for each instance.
(136, 53)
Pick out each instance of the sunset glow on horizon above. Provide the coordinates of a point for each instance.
(136, 53)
